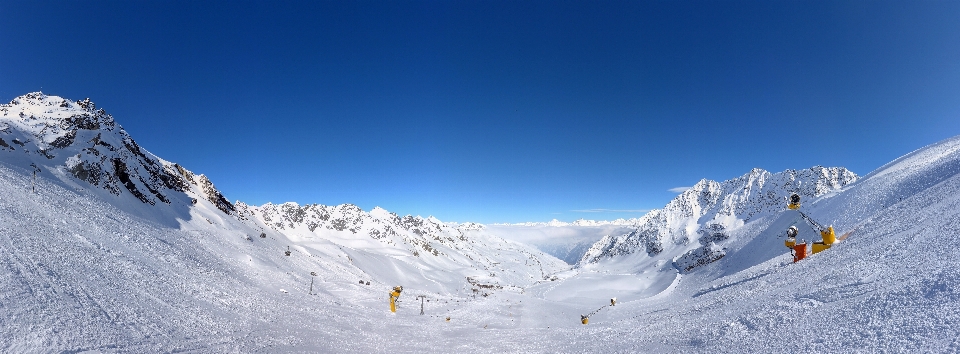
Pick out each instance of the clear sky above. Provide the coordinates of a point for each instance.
(497, 111)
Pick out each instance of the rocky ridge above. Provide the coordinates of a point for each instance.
(82, 141)
(704, 215)
(465, 245)
(416, 233)
(84, 148)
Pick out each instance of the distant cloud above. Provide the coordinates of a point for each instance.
(611, 211)
(679, 189)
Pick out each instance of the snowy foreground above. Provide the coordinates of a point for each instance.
(83, 270)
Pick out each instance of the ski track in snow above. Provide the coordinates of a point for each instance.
(87, 271)
(80, 275)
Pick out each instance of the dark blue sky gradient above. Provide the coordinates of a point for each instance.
(497, 111)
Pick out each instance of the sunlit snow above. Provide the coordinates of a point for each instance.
(83, 269)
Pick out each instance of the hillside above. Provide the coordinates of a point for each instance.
(120, 242)
(706, 214)
(142, 258)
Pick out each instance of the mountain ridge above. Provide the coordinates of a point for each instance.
(77, 139)
(83, 147)
(83, 269)
(705, 213)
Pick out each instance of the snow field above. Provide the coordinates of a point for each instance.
(83, 270)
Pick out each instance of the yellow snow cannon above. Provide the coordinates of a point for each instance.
(794, 202)
(791, 237)
(394, 295)
(829, 238)
(584, 319)
(819, 247)
(827, 234)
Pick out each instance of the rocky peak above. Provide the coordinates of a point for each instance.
(87, 143)
(702, 214)
(419, 235)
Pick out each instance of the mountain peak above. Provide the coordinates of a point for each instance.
(695, 213)
(84, 144)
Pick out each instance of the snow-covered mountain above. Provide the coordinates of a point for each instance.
(90, 266)
(77, 143)
(567, 242)
(891, 286)
(426, 243)
(694, 227)
(81, 145)
(90, 168)
(569, 252)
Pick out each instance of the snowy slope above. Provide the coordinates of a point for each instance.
(890, 287)
(705, 224)
(83, 146)
(114, 230)
(449, 258)
(566, 241)
(85, 269)
(708, 211)
(570, 252)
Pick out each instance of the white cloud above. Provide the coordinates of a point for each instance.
(679, 189)
(611, 211)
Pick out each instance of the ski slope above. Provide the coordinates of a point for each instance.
(83, 269)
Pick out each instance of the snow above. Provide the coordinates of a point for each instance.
(568, 242)
(578, 222)
(86, 270)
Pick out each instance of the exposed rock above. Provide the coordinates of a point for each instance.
(705, 212)
(87, 143)
(703, 255)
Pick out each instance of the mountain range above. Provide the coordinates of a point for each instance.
(105, 247)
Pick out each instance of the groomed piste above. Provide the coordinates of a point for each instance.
(88, 265)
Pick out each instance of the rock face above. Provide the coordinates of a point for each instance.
(54, 133)
(704, 214)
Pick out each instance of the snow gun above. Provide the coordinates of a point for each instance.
(799, 250)
(394, 295)
(586, 318)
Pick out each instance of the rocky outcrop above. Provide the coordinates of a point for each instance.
(702, 214)
(87, 143)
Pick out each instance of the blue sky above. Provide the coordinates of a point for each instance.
(497, 111)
